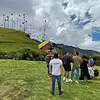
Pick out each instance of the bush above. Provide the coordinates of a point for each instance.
(24, 54)
(3, 55)
(97, 60)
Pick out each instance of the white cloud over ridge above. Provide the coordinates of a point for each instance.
(67, 21)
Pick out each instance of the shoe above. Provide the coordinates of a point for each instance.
(64, 79)
(67, 80)
(61, 93)
(77, 82)
(70, 80)
(52, 93)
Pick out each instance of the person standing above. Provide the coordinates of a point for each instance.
(84, 69)
(55, 67)
(47, 59)
(67, 66)
(76, 66)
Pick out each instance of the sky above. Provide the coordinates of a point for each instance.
(71, 22)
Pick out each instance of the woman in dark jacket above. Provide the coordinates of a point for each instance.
(84, 69)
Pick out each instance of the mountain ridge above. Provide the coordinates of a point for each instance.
(72, 48)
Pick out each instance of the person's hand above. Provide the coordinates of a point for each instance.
(50, 74)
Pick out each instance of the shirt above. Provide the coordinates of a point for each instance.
(56, 63)
(67, 59)
(77, 61)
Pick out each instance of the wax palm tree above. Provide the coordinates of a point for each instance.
(8, 21)
(14, 25)
(12, 19)
(4, 20)
(24, 21)
(19, 22)
(17, 25)
(44, 35)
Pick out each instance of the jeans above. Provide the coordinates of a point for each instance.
(72, 73)
(58, 81)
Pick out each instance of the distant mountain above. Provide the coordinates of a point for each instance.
(82, 51)
(71, 49)
(36, 40)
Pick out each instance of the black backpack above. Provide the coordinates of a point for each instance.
(96, 72)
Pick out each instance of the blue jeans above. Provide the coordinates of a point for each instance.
(58, 81)
(72, 73)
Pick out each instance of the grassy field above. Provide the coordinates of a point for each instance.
(12, 40)
(28, 80)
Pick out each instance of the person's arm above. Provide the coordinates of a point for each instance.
(61, 69)
(81, 60)
(50, 68)
(72, 59)
(50, 71)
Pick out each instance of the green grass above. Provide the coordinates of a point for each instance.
(12, 40)
(28, 80)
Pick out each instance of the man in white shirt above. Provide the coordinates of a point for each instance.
(55, 67)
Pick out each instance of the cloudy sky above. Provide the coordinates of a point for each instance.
(72, 22)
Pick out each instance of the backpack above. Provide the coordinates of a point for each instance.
(96, 72)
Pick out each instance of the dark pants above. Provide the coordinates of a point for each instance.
(58, 81)
(85, 73)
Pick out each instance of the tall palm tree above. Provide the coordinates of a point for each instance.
(5, 23)
(19, 22)
(4, 20)
(14, 25)
(24, 16)
(22, 26)
(12, 19)
(25, 25)
(8, 21)
(17, 25)
(43, 37)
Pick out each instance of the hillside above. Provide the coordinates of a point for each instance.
(12, 40)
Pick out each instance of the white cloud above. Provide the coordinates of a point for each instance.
(58, 23)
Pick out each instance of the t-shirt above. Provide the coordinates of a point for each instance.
(67, 59)
(56, 63)
(77, 61)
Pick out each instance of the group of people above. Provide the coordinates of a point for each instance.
(80, 64)
(80, 68)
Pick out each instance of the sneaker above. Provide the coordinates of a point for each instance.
(61, 93)
(64, 79)
(67, 80)
(77, 81)
(70, 80)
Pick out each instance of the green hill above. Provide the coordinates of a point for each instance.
(12, 40)
(18, 45)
